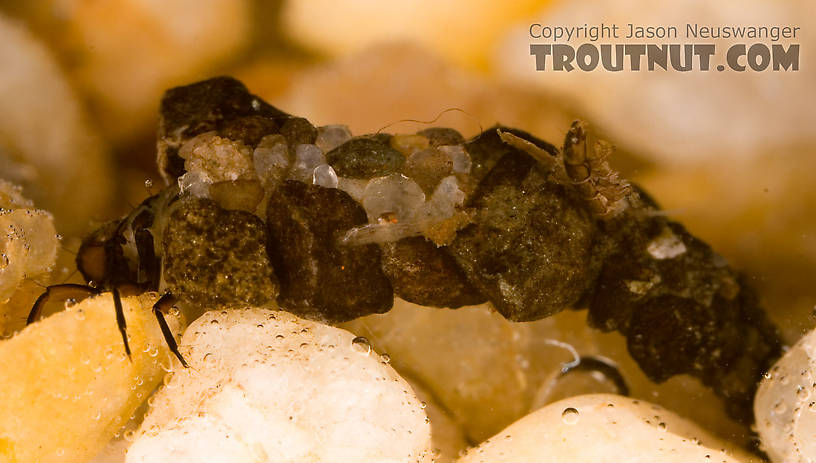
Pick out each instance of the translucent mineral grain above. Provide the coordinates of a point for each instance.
(307, 158)
(397, 208)
(68, 385)
(271, 158)
(603, 428)
(354, 187)
(266, 385)
(785, 405)
(395, 195)
(325, 176)
(330, 137)
(460, 160)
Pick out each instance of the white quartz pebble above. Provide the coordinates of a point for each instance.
(265, 385)
(602, 428)
(785, 405)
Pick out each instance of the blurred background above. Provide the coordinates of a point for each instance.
(730, 155)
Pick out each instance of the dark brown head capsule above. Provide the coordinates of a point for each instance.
(123, 252)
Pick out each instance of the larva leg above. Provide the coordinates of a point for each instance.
(159, 308)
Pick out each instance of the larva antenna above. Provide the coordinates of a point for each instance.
(438, 116)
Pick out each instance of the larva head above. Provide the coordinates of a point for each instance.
(122, 251)
(101, 259)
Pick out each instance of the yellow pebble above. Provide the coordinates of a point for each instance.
(67, 384)
(407, 144)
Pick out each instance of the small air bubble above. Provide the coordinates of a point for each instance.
(148, 183)
(386, 359)
(423, 405)
(780, 408)
(279, 337)
(166, 368)
(570, 416)
(661, 426)
(361, 345)
(78, 314)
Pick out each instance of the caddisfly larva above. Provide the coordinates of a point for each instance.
(263, 207)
